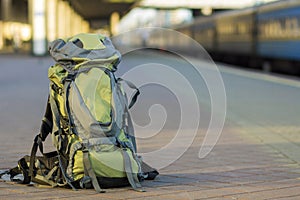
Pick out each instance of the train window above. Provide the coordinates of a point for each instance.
(292, 27)
(244, 28)
(226, 29)
(288, 27)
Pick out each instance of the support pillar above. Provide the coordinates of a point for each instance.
(6, 10)
(37, 12)
(1, 35)
(114, 22)
(61, 20)
(51, 20)
(5, 15)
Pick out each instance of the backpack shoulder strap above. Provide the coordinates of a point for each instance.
(56, 116)
(45, 129)
(47, 122)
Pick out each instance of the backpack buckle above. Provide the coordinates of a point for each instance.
(70, 77)
(85, 150)
(86, 182)
(84, 146)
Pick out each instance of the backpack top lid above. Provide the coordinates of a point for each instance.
(85, 48)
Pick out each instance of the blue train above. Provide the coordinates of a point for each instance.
(266, 36)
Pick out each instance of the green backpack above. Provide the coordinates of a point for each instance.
(88, 118)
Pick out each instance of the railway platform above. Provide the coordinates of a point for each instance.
(256, 156)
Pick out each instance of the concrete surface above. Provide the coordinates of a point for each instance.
(256, 157)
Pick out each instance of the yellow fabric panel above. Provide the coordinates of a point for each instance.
(111, 163)
(95, 89)
(86, 63)
(78, 169)
(122, 137)
(79, 60)
(108, 163)
(56, 73)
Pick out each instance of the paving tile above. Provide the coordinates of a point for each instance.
(214, 193)
(296, 197)
(286, 183)
(271, 194)
(173, 196)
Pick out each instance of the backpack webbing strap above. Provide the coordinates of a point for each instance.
(36, 143)
(6, 172)
(150, 172)
(67, 84)
(130, 129)
(132, 177)
(56, 114)
(22, 168)
(136, 93)
(50, 174)
(90, 172)
(34, 176)
(45, 180)
(62, 167)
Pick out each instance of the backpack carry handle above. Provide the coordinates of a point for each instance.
(136, 93)
(134, 98)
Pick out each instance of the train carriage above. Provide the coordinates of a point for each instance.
(265, 37)
(235, 32)
(204, 32)
(279, 30)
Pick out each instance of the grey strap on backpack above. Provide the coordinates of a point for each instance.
(90, 172)
(132, 177)
(130, 129)
(67, 83)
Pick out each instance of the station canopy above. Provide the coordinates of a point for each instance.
(194, 4)
(98, 12)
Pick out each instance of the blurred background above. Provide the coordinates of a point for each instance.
(262, 34)
(21, 20)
